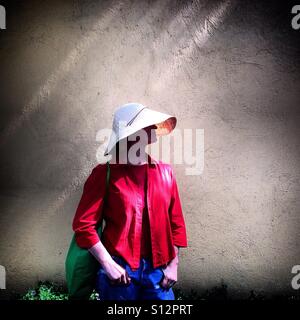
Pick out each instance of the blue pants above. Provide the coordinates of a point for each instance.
(145, 283)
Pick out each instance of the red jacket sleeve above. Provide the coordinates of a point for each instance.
(176, 217)
(89, 210)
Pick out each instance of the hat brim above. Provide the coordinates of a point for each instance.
(165, 124)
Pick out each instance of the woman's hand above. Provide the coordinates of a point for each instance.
(170, 277)
(170, 272)
(116, 273)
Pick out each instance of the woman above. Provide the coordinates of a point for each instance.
(144, 223)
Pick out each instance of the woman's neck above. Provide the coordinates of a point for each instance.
(126, 158)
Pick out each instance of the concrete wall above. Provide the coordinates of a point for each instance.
(228, 67)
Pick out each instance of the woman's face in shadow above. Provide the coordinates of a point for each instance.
(147, 135)
(151, 133)
(143, 137)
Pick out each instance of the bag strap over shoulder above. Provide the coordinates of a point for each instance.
(106, 188)
(107, 178)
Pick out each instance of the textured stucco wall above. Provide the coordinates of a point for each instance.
(65, 66)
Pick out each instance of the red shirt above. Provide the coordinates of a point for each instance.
(125, 209)
(140, 172)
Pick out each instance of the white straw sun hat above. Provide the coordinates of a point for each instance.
(131, 117)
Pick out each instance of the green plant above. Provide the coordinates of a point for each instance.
(50, 291)
(46, 290)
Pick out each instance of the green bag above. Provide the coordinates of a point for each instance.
(81, 266)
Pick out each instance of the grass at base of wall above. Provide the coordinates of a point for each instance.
(46, 290)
